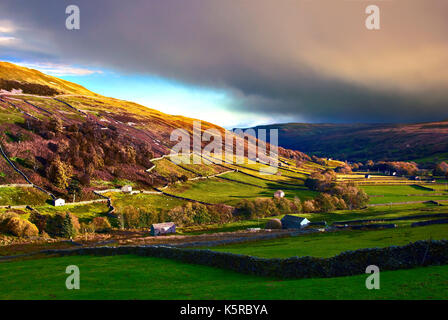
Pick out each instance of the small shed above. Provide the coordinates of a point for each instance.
(294, 222)
(158, 229)
(126, 188)
(367, 176)
(59, 202)
(279, 194)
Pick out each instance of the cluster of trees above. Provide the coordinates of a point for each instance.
(321, 181)
(259, 208)
(98, 224)
(67, 225)
(131, 217)
(318, 160)
(400, 167)
(344, 169)
(356, 166)
(293, 154)
(441, 169)
(324, 202)
(193, 213)
(333, 196)
(61, 224)
(189, 214)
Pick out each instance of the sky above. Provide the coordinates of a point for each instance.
(240, 63)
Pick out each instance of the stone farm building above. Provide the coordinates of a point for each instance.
(279, 194)
(158, 229)
(294, 222)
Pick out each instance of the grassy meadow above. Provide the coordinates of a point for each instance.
(332, 243)
(217, 190)
(16, 196)
(134, 277)
(404, 193)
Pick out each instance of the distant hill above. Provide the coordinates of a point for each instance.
(35, 82)
(423, 142)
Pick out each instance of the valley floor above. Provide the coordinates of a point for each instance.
(133, 277)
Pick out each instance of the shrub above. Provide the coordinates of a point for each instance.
(62, 224)
(309, 206)
(353, 197)
(296, 206)
(274, 224)
(180, 217)
(401, 167)
(246, 209)
(321, 181)
(11, 223)
(87, 227)
(266, 207)
(259, 208)
(283, 205)
(441, 169)
(39, 220)
(221, 213)
(101, 224)
(325, 202)
(191, 213)
(130, 217)
(345, 169)
(200, 214)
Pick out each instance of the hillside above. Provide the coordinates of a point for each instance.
(422, 142)
(33, 81)
(78, 133)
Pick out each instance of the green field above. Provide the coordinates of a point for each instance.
(333, 243)
(166, 168)
(402, 193)
(264, 182)
(15, 196)
(133, 277)
(395, 190)
(85, 212)
(144, 201)
(217, 190)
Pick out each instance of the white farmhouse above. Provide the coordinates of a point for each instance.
(59, 202)
(126, 188)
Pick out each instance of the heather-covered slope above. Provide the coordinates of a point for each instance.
(359, 142)
(96, 139)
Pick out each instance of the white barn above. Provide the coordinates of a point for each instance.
(279, 194)
(126, 188)
(59, 202)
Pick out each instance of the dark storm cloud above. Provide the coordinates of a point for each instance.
(311, 60)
